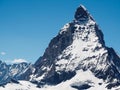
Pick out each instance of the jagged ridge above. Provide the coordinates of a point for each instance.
(10, 72)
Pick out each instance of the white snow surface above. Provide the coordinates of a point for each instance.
(80, 78)
(24, 85)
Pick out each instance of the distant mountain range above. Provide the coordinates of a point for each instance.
(10, 72)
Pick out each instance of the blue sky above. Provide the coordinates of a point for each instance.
(27, 26)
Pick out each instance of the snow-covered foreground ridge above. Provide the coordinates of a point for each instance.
(76, 59)
(81, 78)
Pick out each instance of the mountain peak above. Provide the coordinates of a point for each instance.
(79, 46)
(83, 7)
(81, 13)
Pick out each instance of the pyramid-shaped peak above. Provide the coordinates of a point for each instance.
(81, 14)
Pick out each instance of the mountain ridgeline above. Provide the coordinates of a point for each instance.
(79, 45)
(11, 72)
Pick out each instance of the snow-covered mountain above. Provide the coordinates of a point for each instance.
(76, 59)
(78, 46)
(9, 72)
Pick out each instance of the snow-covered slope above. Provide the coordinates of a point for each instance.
(22, 85)
(87, 78)
(83, 80)
(76, 59)
(17, 68)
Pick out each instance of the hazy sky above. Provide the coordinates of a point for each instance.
(27, 26)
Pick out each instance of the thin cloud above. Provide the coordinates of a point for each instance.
(3, 53)
(19, 61)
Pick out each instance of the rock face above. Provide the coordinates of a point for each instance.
(10, 72)
(78, 46)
